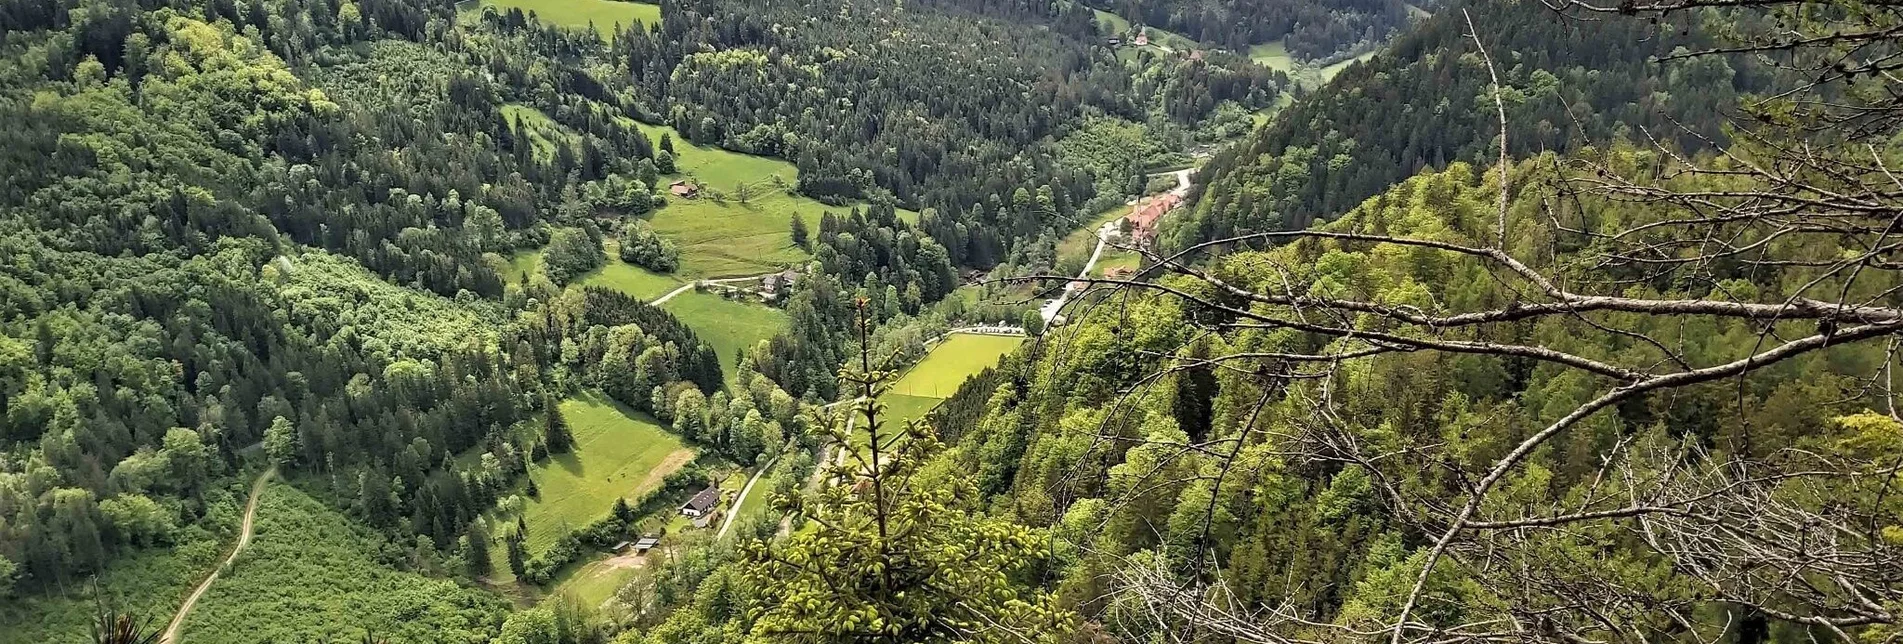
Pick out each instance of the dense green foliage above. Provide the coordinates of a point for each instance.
(641, 247)
(1312, 30)
(312, 573)
(1426, 101)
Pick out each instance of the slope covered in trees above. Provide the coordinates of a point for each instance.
(1311, 30)
(1572, 80)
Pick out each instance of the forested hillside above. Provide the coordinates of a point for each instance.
(1311, 30)
(1551, 322)
(240, 234)
(1613, 387)
(1572, 81)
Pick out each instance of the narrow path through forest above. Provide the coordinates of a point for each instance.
(244, 539)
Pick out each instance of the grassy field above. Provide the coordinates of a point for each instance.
(630, 279)
(1273, 55)
(1081, 241)
(311, 573)
(948, 365)
(605, 14)
(618, 453)
(728, 325)
(900, 408)
(521, 265)
(543, 131)
(1328, 73)
(718, 238)
(756, 502)
(732, 239)
(593, 580)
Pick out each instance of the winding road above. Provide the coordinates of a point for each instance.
(244, 539)
(1108, 230)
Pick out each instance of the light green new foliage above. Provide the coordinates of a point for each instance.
(311, 573)
(894, 561)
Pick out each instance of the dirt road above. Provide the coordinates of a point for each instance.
(244, 539)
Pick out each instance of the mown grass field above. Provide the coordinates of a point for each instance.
(593, 580)
(577, 14)
(728, 239)
(901, 408)
(311, 573)
(727, 325)
(1273, 55)
(948, 365)
(618, 453)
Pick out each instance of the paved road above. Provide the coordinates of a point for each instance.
(244, 539)
(1104, 233)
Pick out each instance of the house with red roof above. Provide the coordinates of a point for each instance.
(1144, 216)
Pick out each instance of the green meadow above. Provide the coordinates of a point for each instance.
(578, 14)
(935, 378)
(618, 453)
(959, 356)
(1274, 55)
(594, 579)
(727, 325)
(900, 408)
(543, 131)
(727, 238)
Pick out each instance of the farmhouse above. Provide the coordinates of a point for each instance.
(1143, 219)
(1117, 273)
(702, 503)
(644, 544)
(771, 284)
(684, 189)
(1143, 39)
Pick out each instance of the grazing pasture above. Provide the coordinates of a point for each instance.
(727, 325)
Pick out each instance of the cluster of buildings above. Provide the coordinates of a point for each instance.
(1143, 218)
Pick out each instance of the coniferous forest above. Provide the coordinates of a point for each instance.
(394, 321)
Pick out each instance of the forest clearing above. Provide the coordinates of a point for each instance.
(578, 14)
(618, 453)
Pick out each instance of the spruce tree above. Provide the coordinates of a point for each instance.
(478, 555)
(800, 235)
(555, 433)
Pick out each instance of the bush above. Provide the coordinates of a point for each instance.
(571, 252)
(641, 246)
